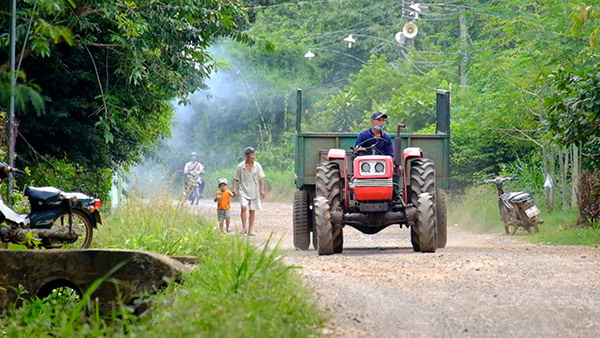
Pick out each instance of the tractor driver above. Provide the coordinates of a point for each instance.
(374, 133)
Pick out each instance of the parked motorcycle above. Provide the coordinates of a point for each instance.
(516, 208)
(195, 186)
(57, 218)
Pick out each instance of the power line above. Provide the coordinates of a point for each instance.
(287, 4)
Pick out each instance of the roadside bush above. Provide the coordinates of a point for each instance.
(236, 289)
(476, 209)
(589, 199)
(528, 170)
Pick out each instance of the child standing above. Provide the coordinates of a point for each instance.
(223, 198)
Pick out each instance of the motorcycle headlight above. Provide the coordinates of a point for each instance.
(365, 167)
(379, 167)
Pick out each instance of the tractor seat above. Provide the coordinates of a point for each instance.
(43, 194)
(516, 197)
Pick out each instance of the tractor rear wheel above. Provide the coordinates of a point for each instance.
(328, 186)
(422, 181)
(441, 218)
(301, 220)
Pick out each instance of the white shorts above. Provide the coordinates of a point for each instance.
(251, 204)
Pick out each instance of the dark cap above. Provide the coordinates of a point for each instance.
(377, 115)
(249, 150)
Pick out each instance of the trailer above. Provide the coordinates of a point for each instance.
(313, 149)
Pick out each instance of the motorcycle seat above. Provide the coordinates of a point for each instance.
(516, 197)
(43, 193)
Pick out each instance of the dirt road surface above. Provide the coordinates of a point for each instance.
(478, 286)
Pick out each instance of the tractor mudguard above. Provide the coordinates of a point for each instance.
(410, 153)
(339, 155)
(336, 154)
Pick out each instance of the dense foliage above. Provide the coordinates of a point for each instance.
(528, 72)
(499, 115)
(107, 71)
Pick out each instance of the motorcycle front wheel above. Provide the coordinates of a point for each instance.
(81, 224)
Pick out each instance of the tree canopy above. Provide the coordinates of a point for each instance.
(523, 76)
(107, 71)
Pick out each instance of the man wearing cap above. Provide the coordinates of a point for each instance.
(249, 185)
(375, 134)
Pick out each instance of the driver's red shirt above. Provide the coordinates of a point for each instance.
(385, 148)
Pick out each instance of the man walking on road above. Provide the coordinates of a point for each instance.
(249, 184)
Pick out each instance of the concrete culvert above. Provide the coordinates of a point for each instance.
(60, 288)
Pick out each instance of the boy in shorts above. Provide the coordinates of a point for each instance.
(223, 198)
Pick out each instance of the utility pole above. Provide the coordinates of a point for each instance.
(11, 112)
(464, 58)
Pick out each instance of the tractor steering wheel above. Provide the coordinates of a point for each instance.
(359, 149)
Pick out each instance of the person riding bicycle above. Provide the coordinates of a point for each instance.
(375, 135)
(193, 169)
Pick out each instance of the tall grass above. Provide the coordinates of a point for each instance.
(477, 209)
(236, 290)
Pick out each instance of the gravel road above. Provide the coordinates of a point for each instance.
(480, 285)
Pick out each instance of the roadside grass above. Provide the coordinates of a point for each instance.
(558, 228)
(236, 290)
(279, 183)
(477, 210)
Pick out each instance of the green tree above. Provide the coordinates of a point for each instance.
(108, 70)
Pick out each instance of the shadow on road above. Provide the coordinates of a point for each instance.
(364, 251)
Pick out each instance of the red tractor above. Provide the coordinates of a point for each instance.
(370, 192)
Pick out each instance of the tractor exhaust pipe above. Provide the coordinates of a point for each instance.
(398, 146)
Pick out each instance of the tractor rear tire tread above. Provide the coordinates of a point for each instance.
(301, 220)
(441, 218)
(422, 177)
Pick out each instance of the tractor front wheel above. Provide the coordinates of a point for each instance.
(424, 232)
(329, 187)
(323, 226)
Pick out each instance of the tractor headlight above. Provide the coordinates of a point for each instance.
(365, 167)
(379, 167)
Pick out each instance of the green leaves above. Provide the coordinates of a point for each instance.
(573, 115)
